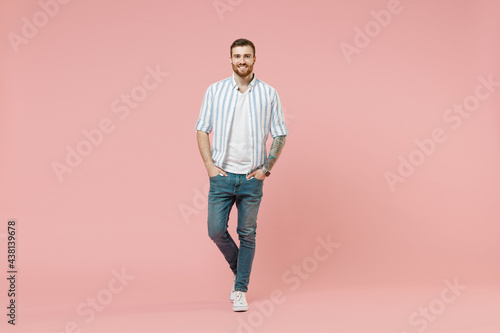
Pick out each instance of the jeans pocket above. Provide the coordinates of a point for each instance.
(253, 178)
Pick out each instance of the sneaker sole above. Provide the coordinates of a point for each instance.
(240, 308)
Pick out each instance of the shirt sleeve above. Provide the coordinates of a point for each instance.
(278, 126)
(204, 122)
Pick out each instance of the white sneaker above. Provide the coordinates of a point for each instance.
(231, 295)
(240, 301)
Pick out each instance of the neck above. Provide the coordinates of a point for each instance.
(243, 81)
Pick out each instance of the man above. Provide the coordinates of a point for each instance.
(241, 111)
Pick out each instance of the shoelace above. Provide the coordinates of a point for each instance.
(239, 297)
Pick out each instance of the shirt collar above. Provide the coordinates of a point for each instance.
(251, 85)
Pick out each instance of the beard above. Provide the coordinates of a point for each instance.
(244, 73)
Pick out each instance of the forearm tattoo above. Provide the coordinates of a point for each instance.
(275, 151)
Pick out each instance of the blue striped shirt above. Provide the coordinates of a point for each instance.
(266, 116)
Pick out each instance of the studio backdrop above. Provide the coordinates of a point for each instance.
(389, 176)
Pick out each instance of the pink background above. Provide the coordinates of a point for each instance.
(138, 200)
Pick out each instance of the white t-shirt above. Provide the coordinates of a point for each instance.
(239, 149)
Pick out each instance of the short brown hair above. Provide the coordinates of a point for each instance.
(241, 42)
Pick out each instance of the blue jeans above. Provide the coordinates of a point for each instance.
(224, 192)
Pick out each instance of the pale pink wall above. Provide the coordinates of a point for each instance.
(348, 122)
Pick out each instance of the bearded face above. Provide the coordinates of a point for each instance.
(243, 60)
